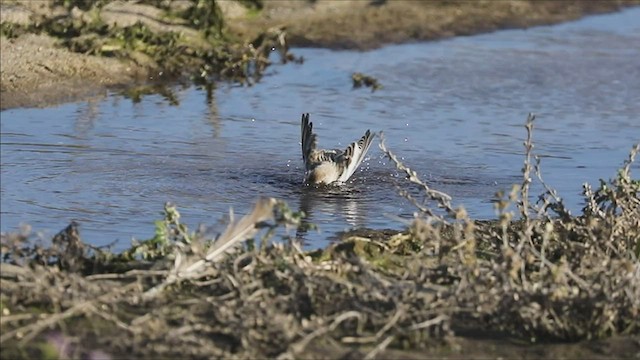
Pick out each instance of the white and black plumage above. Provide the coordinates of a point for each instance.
(330, 166)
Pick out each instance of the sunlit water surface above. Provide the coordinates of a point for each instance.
(453, 110)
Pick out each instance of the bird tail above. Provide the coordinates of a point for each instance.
(308, 139)
(355, 154)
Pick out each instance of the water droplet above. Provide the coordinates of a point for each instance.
(252, 119)
(406, 139)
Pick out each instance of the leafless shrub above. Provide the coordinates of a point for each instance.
(548, 274)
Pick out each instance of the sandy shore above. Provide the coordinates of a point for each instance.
(36, 70)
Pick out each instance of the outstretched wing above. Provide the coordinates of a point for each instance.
(354, 155)
(308, 141)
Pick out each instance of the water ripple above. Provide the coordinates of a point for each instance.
(452, 110)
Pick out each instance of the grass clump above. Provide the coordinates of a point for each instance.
(540, 273)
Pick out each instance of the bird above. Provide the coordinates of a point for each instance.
(324, 167)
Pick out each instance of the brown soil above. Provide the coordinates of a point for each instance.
(36, 71)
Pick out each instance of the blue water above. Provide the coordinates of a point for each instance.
(453, 110)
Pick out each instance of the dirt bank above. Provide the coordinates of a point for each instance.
(40, 69)
(357, 24)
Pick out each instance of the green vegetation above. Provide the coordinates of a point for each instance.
(11, 30)
(550, 275)
(360, 79)
(204, 15)
(187, 40)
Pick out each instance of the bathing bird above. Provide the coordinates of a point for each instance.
(330, 166)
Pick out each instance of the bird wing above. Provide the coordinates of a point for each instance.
(308, 141)
(354, 155)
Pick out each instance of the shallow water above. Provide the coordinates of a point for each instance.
(453, 110)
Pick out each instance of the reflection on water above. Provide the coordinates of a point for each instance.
(453, 110)
(345, 200)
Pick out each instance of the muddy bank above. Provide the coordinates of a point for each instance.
(37, 73)
(56, 51)
(355, 24)
(57, 66)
